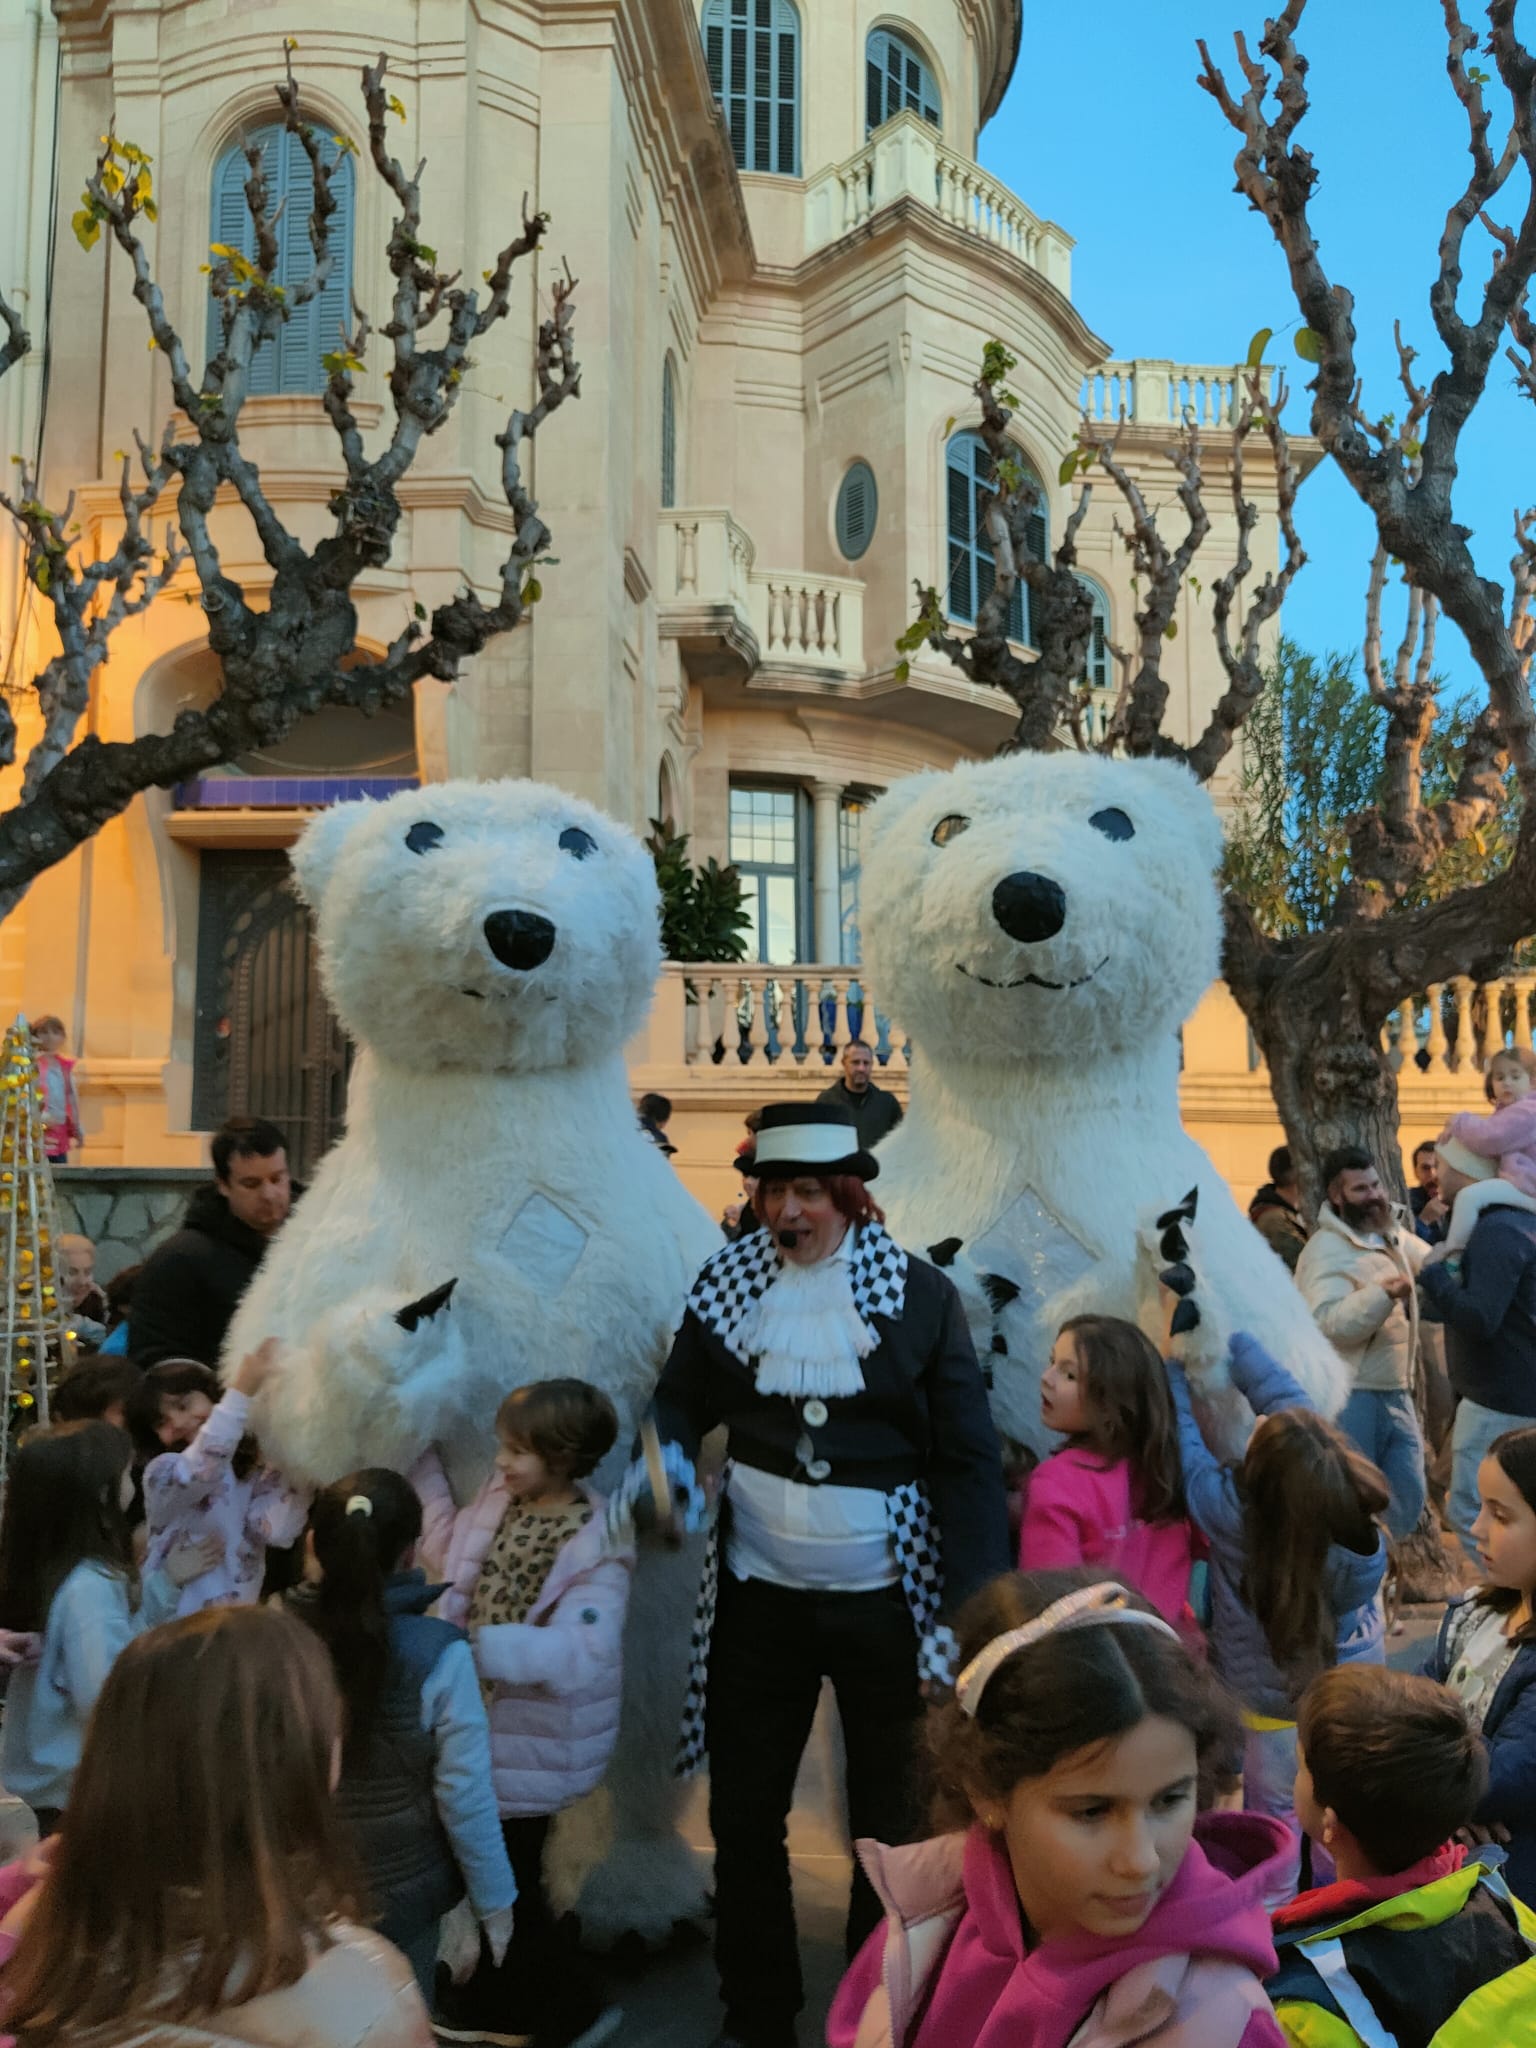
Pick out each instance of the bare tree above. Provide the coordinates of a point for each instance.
(300, 651)
(1318, 1001)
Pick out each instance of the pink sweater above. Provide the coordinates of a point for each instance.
(950, 1968)
(1508, 1135)
(554, 1678)
(1078, 1510)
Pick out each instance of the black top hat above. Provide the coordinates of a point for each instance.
(798, 1140)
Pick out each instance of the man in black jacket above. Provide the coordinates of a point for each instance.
(1489, 1312)
(875, 1110)
(188, 1290)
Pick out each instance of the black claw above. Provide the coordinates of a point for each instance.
(1179, 1279)
(1184, 1213)
(1186, 1317)
(999, 1292)
(943, 1253)
(1174, 1244)
(426, 1306)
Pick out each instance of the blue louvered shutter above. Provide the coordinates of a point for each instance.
(668, 435)
(897, 78)
(857, 505)
(752, 50)
(972, 570)
(316, 330)
(291, 363)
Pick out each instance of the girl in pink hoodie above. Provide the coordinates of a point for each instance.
(1075, 1898)
(1113, 1495)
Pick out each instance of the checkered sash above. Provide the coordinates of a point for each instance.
(915, 1542)
(733, 1279)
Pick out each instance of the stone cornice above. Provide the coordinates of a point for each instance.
(997, 28)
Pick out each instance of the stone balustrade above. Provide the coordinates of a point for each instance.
(908, 159)
(1152, 392)
(1456, 1027)
(706, 563)
(808, 621)
(753, 1015)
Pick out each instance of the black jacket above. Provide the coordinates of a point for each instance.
(923, 1415)
(876, 1111)
(1489, 1312)
(186, 1295)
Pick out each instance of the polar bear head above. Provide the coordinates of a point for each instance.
(1045, 904)
(483, 925)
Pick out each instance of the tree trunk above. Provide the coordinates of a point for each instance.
(1320, 1035)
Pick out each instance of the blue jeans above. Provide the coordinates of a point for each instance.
(421, 1953)
(1383, 1427)
(1474, 1430)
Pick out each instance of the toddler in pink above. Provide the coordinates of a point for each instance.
(1507, 1134)
(1074, 1896)
(1113, 1495)
(205, 1479)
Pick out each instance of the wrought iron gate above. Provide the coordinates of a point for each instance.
(266, 1041)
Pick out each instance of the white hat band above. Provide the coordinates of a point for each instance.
(815, 1144)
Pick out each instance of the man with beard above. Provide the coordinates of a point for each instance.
(1357, 1273)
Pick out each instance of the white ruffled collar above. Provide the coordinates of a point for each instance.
(804, 1332)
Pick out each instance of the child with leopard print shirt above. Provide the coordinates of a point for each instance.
(532, 1577)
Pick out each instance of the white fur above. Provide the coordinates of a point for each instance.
(490, 1138)
(1067, 1094)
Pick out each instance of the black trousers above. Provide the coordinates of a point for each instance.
(545, 1987)
(771, 1649)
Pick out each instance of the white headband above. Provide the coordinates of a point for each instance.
(1106, 1602)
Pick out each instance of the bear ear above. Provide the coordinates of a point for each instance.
(1196, 811)
(315, 853)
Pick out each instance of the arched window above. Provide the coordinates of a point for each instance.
(972, 571)
(858, 503)
(291, 361)
(896, 77)
(753, 51)
(668, 434)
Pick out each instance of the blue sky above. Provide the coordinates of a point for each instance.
(1105, 131)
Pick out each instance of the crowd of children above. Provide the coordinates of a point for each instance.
(1177, 1796)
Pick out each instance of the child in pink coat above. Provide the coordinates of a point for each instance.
(533, 1578)
(1507, 1134)
(1113, 1495)
(1074, 1897)
(61, 1102)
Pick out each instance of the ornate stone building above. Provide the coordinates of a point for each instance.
(790, 260)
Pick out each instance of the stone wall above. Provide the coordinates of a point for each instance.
(124, 1210)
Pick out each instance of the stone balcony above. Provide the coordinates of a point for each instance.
(1153, 392)
(908, 160)
(785, 621)
(722, 1040)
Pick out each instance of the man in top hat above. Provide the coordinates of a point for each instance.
(863, 1496)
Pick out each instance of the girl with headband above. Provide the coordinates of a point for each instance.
(1073, 1895)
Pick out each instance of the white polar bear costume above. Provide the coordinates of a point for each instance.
(1041, 925)
(491, 947)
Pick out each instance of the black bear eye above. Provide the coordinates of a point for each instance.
(1113, 824)
(424, 836)
(574, 840)
(950, 828)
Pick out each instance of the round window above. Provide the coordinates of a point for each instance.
(857, 504)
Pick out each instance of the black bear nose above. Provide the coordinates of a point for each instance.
(1029, 907)
(519, 938)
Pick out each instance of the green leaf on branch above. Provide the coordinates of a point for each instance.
(87, 226)
(345, 144)
(1309, 344)
(396, 106)
(1171, 630)
(419, 609)
(902, 670)
(533, 590)
(1257, 346)
(1069, 467)
(996, 362)
(340, 359)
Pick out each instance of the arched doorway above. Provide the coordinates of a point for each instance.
(265, 1040)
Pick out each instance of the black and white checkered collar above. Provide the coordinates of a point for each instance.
(740, 1272)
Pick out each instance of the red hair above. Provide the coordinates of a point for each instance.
(850, 1197)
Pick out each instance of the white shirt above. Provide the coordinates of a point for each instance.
(832, 1538)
